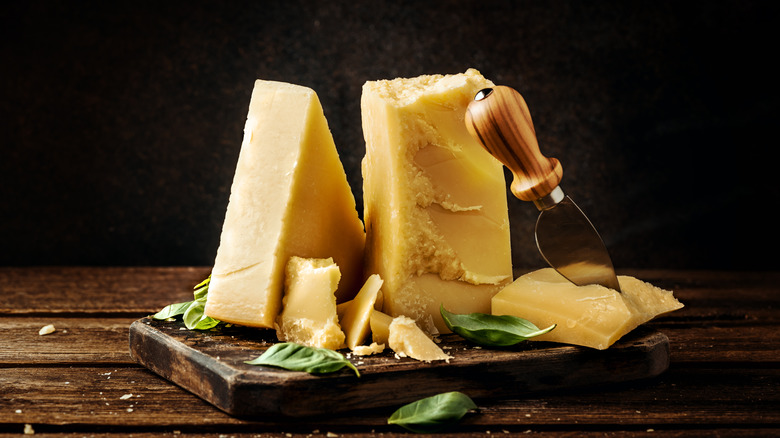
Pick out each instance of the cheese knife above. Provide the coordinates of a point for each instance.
(500, 120)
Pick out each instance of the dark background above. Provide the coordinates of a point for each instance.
(121, 121)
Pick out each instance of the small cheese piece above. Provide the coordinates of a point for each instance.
(367, 350)
(47, 330)
(309, 306)
(380, 326)
(290, 197)
(591, 316)
(355, 319)
(435, 202)
(407, 339)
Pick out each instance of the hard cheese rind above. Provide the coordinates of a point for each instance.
(290, 197)
(434, 200)
(592, 316)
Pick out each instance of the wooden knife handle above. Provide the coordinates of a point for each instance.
(499, 119)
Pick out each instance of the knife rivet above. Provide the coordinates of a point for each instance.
(483, 93)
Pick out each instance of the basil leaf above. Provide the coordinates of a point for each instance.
(202, 289)
(296, 357)
(195, 319)
(432, 414)
(491, 330)
(172, 310)
(192, 311)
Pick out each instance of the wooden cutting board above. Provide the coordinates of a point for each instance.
(211, 365)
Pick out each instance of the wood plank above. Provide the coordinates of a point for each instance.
(211, 365)
(719, 297)
(92, 341)
(666, 432)
(709, 296)
(755, 344)
(96, 341)
(683, 395)
(95, 290)
(723, 376)
(696, 397)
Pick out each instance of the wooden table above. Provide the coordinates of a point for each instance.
(80, 380)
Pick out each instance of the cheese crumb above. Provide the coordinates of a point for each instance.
(47, 329)
(367, 350)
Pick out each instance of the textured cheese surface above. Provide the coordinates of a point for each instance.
(367, 350)
(355, 318)
(408, 340)
(290, 197)
(592, 316)
(380, 326)
(435, 207)
(309, 306)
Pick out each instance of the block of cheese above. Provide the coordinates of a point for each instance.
(592, 316)
(435, 207)
(309, 305)
(356, 316)
(290, 197)
(407, 339)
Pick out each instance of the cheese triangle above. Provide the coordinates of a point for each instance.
(592, 316)
(290, 197)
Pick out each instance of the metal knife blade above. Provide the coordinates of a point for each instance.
(500, 120)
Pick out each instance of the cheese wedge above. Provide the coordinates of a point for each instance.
(380, 326)
(408, 340)
(435, 207)
(290, 197)
(309, 306)
(592, 316)
(356, 316)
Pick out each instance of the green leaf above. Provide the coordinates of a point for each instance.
(202, 289)
(172, 310)
(296, 357)
(492, 330)
(432, 414)
(196, 319)
(192, 311)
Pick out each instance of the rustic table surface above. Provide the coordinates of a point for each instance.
(80, 380)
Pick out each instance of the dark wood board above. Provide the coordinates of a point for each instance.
(211, 365)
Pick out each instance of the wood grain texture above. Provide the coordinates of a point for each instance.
(722, 380)
(95, 290)
(103, 341)
(715, 396)
(499, 119)
(94, 341)
(211, 365)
